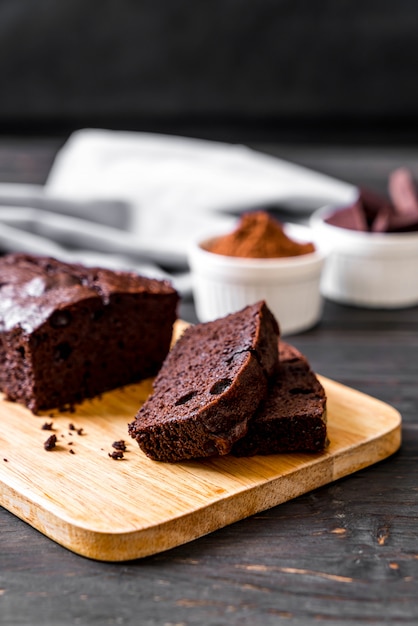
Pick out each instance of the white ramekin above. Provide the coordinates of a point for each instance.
(373, 270)
(290, 286)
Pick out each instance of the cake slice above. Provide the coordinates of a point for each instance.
(209, 387)
(68, 332)
(293, 416)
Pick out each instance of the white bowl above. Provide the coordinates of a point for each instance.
(290, 286)
(374, 270)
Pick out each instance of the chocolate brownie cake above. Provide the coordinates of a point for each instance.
(209, 386)
(68, 332)
(293, 417)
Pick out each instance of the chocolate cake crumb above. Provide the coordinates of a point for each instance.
(119, 445)
(117, 454)
(50, 442)
(47, 426)
(79, 431)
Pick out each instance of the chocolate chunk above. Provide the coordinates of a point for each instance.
(373, 212)
(403, 193)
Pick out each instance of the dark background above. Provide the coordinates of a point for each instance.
(297, 70)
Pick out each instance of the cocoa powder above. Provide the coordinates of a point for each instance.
(258, 235)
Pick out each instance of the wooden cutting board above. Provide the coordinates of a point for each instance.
(115, 510)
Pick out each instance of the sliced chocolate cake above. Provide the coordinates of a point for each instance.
(210, 385)
(293, 416)
(68, 332)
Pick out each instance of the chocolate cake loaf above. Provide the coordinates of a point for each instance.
(68, 332)
(209, 386)
(293, 416)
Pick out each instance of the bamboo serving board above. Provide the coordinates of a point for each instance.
(115, 510)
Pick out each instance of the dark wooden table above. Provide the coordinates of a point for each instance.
(343, 554)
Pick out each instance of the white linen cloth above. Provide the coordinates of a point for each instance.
(136, 200)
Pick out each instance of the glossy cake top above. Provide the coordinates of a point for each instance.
(32, 288)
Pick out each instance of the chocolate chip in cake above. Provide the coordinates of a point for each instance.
(62, 351)
(220, 386)
(186, 398)
(59, 319)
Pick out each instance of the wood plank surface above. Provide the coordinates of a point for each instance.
(116, 510)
